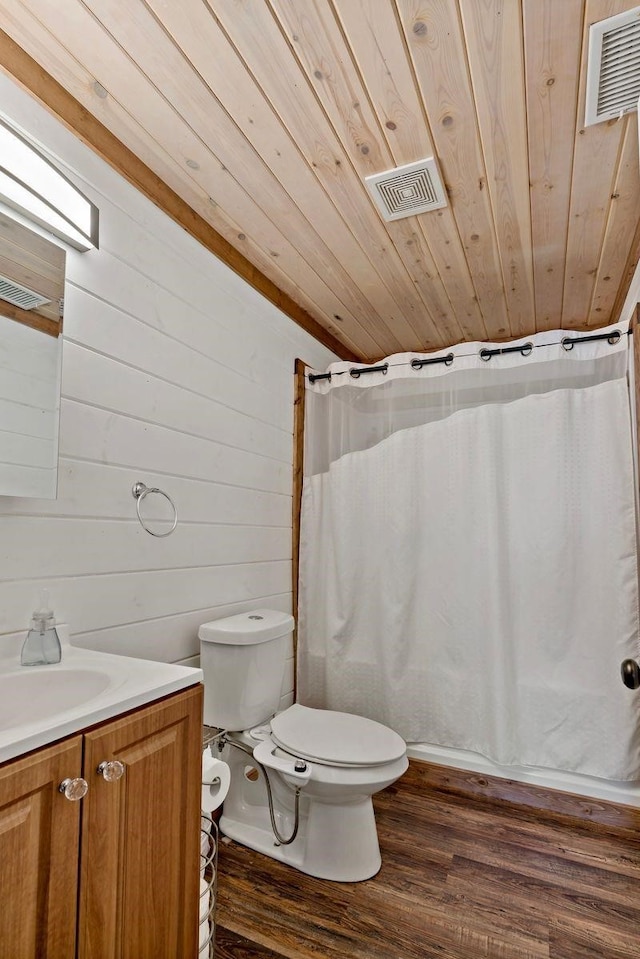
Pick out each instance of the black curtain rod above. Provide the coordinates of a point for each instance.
(569, 342)
(380, 368)
(525, 349)
(354, 372)
(417, 364)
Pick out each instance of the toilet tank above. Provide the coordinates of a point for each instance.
(243, 659)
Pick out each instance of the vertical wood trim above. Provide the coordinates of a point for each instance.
(298, 464)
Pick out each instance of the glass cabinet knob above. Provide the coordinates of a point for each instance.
(73, 789)
(111, 770)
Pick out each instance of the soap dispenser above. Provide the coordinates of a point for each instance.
(42, 645)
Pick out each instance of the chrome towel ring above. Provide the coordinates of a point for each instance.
(140, 490)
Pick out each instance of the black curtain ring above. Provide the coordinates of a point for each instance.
(448, 360)
(566, 343)
(527, 349)
(485, 355)
(615, 336)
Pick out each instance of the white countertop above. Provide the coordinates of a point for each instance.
(41, 704)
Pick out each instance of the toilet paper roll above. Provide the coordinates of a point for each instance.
(205, 900)
(216, 777)
(203, 940)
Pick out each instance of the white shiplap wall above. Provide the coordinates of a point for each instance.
(176, 373)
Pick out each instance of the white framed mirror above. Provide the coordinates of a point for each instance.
(32, 271)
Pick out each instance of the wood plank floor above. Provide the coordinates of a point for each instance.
(471, 867)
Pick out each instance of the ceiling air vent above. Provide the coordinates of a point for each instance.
(613, 74)
(407, 190)
(20, 296)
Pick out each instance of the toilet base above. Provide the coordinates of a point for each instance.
(338, 842)
(337, 837)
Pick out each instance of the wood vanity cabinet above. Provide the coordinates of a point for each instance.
(39, 842)
(116, 874)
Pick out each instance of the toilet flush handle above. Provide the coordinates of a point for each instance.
(296, 769)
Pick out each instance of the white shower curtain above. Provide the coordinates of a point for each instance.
(468, 569)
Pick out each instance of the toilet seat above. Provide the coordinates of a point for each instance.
(336, 739)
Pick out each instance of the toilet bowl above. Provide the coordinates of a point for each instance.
(347, 759)
(309, 772)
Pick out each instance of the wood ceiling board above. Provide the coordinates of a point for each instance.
(235, 160)
(25, 269)
(589, 215)
(493, 38)
(633, 258)
(430, 241)
(41, 254)
(596, 156)
(255, 33)
(552, 46)
(296, 198)
(14, 266)
(34, 262)
(434, 40)
(286, 212)
(377, 42)
(624, 215)
(362, 64)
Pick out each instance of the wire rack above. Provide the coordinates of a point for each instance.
(208, 886)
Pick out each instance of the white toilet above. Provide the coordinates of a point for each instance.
(328, 764)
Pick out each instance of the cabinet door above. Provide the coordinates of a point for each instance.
(140, 840)
(39, 832)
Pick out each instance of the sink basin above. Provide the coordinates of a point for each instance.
(41, 704)
(31, 695)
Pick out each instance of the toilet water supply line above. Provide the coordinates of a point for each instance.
(222, 739)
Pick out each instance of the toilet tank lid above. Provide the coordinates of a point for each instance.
(247, 629)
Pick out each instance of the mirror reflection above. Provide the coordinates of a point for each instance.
(31, 298)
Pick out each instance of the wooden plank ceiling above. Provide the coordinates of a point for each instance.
(32, 262)
(265, 116)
